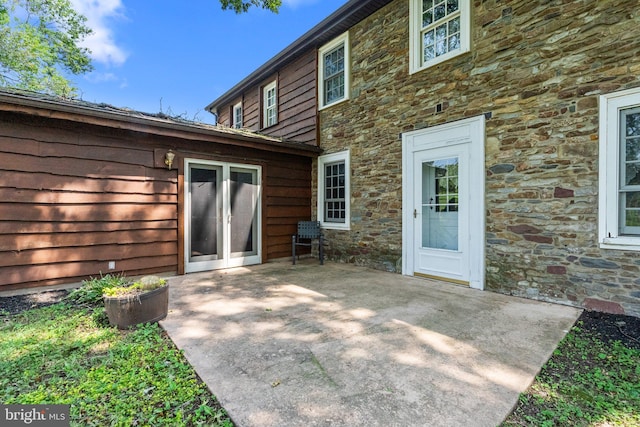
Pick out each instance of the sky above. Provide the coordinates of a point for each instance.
(176, 57)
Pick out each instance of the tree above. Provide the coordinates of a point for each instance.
(39, 43)
(240, 6)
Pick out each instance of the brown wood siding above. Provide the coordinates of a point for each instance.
(74, 197)
(288, 200)
(225, 115)
(251, 105)
(297, 104)
(297, 100)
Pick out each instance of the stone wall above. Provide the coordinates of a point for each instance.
(536, 68)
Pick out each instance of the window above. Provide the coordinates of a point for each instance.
(334, 197)
(269, 105)
(439, 30)
(333, 71)
(445, 184)
(237, 116)
(619, 173)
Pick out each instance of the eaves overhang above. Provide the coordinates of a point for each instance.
(335, 24)
(108, 116)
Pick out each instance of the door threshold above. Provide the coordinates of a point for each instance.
(442, 279)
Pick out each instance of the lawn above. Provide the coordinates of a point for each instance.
(67, 354)
(592, 378)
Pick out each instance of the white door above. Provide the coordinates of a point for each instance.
(443, 202)
(222, 218)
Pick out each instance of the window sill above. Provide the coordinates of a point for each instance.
(334, 226)
(340, 101)
(621, 243)
(439, 60)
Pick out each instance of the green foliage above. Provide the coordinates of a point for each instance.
(240, 6)
(58, 354)
(91, 291)
(39, 43)
(133, 289)
(586, 382)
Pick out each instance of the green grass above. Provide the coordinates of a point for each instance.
(64, 354)
(585, 383)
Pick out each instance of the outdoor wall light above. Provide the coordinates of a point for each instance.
(168, 158)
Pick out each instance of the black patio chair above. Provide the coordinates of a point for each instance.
(308, 231)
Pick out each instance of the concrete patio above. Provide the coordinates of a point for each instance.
(339, 345)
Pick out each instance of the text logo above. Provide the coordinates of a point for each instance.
(34, 415)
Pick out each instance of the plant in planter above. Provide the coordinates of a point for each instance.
(144, 301)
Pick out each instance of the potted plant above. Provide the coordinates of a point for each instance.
(144, 301)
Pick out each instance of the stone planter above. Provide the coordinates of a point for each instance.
(125, 311)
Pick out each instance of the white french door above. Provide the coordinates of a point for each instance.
(443, 202)
(222, 218)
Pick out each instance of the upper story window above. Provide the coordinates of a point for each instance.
(439, 30)
(333, 71)
(237, 116)
(334, 195)
(269, 105)
(619, 171)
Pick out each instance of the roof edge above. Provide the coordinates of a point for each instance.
(44, 106)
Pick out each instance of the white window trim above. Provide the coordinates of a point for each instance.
(608, 174)
(322, 161)
(340, 40)
(265, 115)
(237, 107)
(415, 44)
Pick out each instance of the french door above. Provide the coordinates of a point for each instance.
(222, 218)
(443, 202)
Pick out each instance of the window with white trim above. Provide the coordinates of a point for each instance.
(333, 71)
(269, 105)
(439, 30)
(619, 173)
(237, 116)
(334, 195)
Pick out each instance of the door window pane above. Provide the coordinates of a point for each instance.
(205, 209)
(244, 194)
(440, 204)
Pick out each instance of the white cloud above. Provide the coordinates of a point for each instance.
(97, 77)
(100, 14)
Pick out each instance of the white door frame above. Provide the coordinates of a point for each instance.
(228, 259)
(468, 131)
